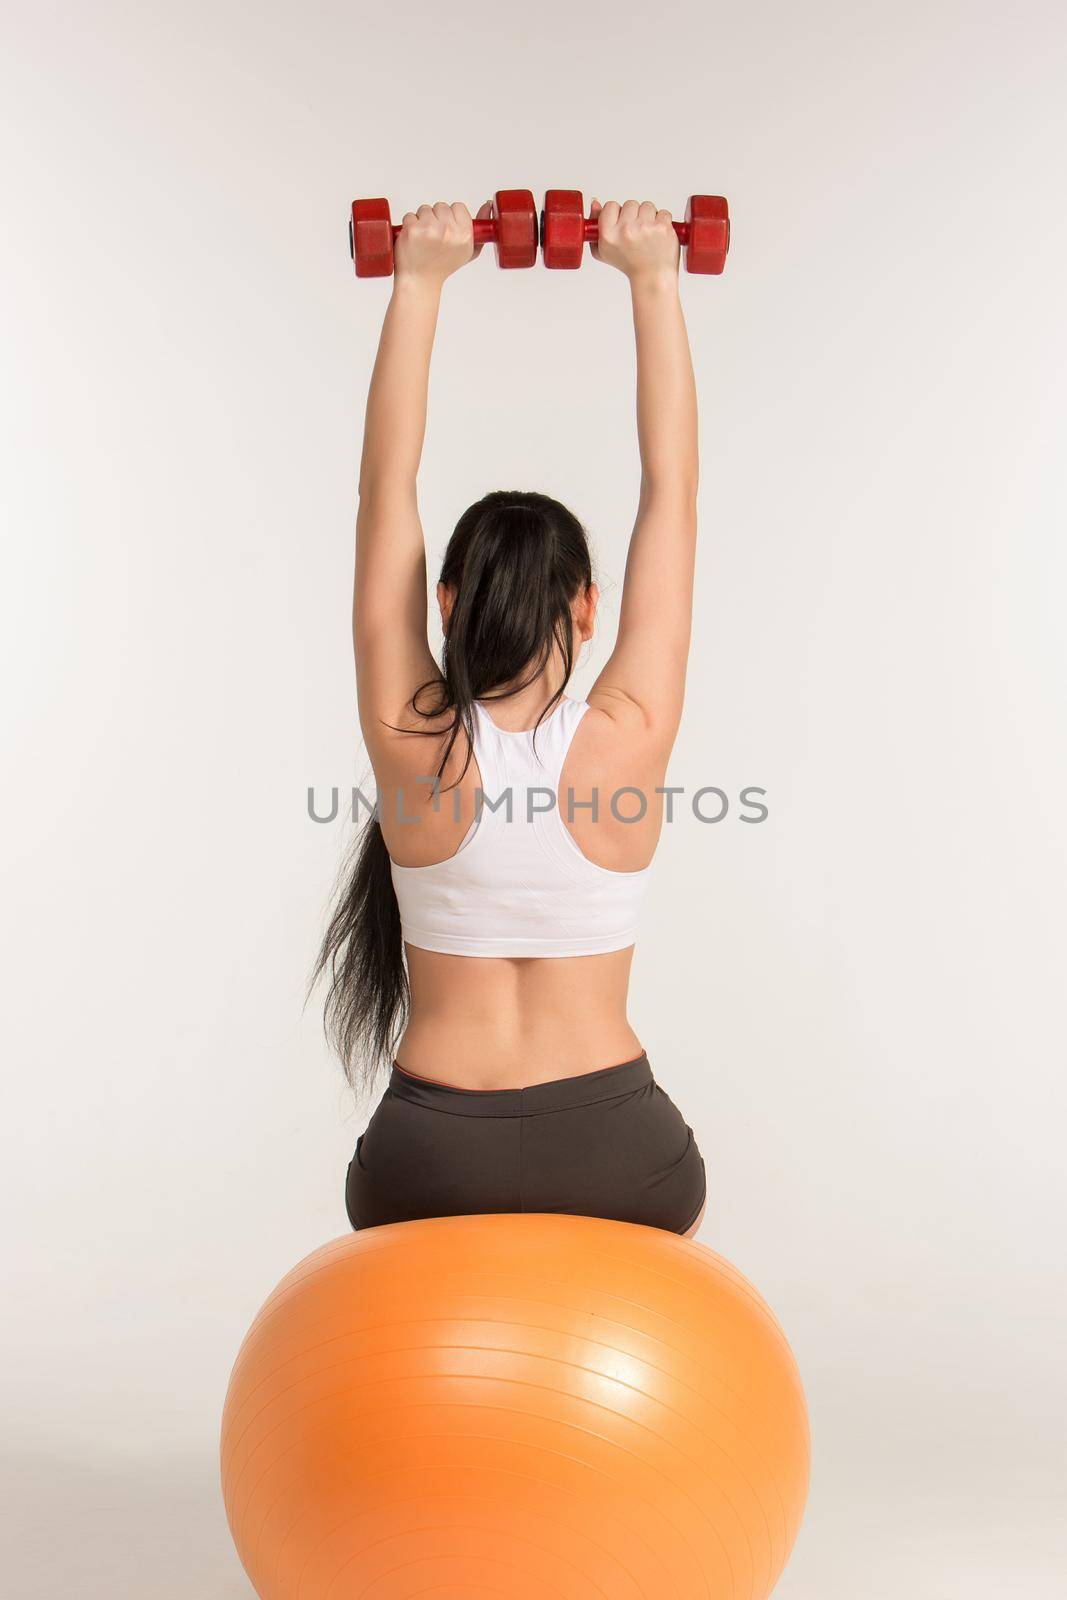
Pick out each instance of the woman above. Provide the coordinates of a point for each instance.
(506, 867)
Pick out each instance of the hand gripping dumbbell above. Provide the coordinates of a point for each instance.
(566, 230)
(512, 227)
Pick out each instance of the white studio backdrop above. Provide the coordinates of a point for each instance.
(858, 1004)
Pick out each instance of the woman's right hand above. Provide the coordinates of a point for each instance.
(435, 241)
(637, 239)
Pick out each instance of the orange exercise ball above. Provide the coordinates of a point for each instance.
(537, 1407)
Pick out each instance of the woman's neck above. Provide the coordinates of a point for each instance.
(520, 710)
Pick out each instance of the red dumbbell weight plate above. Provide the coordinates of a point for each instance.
(708, 217)
(371, 238)
(516, 221)
(563, 229)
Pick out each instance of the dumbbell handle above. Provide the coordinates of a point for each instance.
(591, 228)
(485, 230)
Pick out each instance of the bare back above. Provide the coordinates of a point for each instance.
(496, 1022)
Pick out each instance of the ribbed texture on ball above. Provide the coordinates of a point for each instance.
(535, 1407)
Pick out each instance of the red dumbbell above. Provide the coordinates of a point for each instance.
(566, 230)
(512, 227)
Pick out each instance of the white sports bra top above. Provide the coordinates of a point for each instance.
(519, 885)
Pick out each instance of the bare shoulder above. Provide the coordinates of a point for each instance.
(610, 788)
(413, 741)
(617, 722)
(394, 720)
(616, 745)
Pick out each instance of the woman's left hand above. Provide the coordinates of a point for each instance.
(435, 241)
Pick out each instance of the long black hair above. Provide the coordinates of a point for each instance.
(516, 562)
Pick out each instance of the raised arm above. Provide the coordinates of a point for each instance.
(389, 601)
(645, 675)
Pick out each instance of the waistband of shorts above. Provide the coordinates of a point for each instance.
(559, 1094)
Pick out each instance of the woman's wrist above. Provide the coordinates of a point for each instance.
(654, 283)
(417, 288)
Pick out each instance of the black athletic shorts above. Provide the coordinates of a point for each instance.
(605, 1144)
